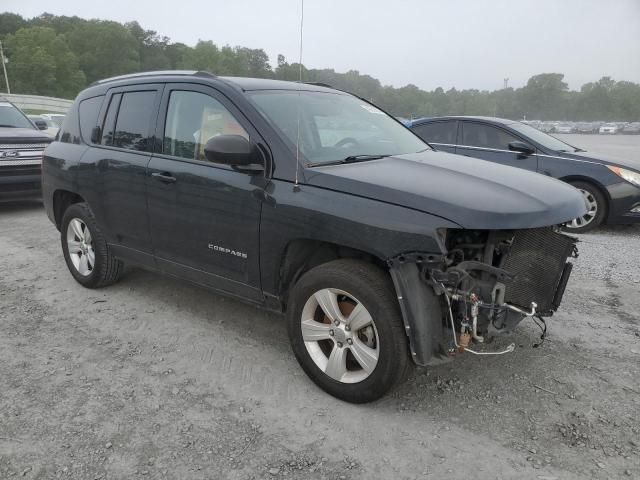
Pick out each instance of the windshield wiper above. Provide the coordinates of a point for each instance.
(349, 159)
(8, 126)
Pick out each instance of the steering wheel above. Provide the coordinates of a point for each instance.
(347, 141)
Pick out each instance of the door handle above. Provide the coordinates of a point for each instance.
(164, 177)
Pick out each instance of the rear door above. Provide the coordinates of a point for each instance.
(204, 217)
(440, 134)
(490, 142)
(117, 166)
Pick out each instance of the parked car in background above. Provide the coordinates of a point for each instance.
(632, 128)
(609, 128)
(21, 147)
(586, 127)
(45, 124)
(610, 188)
(57, 118)
(548, 127)
(309, 201)
(565, 128)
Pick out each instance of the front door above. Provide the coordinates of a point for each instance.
(489, 142)
(204, 217)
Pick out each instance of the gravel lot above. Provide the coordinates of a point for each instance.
(154, 378)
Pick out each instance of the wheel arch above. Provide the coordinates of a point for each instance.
(302, 254)
(63, 199)
(601, 188)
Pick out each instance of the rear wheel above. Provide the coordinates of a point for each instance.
(596, 209)
(346, 330)
(87, 254)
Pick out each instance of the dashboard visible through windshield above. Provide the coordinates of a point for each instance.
(330, 127)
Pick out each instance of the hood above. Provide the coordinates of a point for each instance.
(470, 192)
(23, 135)
(632, 163)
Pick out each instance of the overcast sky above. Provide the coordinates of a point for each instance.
(461, 43)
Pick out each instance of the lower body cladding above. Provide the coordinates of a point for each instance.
(486, 283)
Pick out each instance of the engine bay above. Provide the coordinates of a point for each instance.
(492, 279)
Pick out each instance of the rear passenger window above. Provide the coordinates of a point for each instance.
(89, 110)
(134, 120)
(192, 119)
(437, 132)
(110, 120)
(486, 136)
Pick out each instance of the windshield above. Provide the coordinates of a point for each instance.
(334, 126)
(10, 116)
(542, 138)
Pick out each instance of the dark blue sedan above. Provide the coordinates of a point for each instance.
(610, 188)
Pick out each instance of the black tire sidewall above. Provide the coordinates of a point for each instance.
(81, 211)
(393, 356)
(602, 207)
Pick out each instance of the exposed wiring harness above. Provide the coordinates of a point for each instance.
(542, 327)
(509, 349)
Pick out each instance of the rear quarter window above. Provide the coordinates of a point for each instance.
(70, 130)
(89, 111)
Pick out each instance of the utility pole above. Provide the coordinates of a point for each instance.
(506, 83)
(4, 67)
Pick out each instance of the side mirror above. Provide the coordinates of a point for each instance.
(235, 151)
(522, 148)
(40, 124)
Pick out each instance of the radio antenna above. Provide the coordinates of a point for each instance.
(296, 186)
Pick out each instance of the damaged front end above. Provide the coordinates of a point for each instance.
(485, 283)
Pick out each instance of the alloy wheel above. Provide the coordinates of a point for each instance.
(592, 211)
(340, 335)
(80, 247)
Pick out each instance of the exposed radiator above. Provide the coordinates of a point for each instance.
(538, 260)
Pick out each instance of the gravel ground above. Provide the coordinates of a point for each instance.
(154, 378)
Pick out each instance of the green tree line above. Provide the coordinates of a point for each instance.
(60, 55)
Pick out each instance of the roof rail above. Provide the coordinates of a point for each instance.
(319, 84)
(197, 73)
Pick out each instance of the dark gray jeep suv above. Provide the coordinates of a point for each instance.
(309, 201)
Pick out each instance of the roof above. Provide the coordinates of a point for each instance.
(497, 120)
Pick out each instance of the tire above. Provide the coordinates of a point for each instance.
(355, 285)
(80, 249)
(597, 201)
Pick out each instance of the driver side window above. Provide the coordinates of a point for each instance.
(192, 119)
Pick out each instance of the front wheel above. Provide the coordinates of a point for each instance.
(346, 330)
(596, 209)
